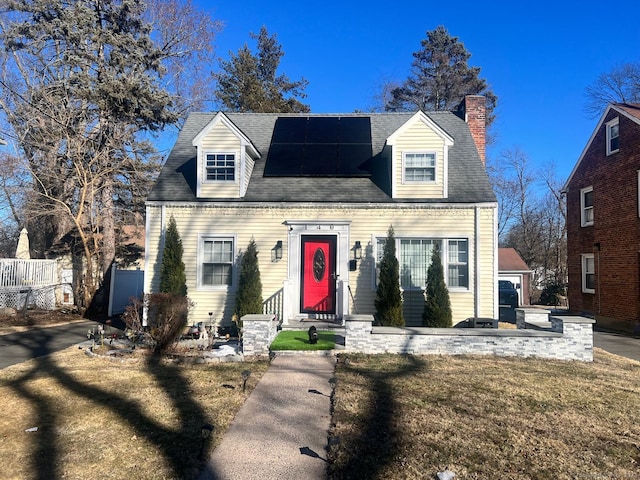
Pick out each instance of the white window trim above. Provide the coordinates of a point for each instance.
(609, 125)
(444, 256)
(202, 237)
(583, 272)
(435, 167)
(236, 169)
(583, 219)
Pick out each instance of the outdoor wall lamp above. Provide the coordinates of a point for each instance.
(357, 255)
(357, 250)
(276, 252)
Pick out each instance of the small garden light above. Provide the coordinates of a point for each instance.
(333, 381)
(205, 432)
(245, 376)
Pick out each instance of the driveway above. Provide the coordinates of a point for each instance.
(19, 347)
(618, 343)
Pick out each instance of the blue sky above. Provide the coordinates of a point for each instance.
(538, 56)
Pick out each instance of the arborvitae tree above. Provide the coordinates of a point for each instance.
(172, 274)
(388, 301)
(249, 297)
(440, 77)
(249, 82)
(437, 306)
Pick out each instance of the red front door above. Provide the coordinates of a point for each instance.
(318, 283)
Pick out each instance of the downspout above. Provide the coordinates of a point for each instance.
(476, 263)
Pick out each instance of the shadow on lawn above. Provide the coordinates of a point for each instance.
(45, 460)
(376, 443)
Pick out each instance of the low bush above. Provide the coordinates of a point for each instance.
(167, 316)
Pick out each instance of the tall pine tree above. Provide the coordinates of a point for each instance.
(249, 297)
(250, 83)
(437, 305)
(388, 301)
(440, 77)
(172, 273)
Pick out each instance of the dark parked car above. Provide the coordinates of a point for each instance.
(507, 294)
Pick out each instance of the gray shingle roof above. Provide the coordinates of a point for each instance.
(468, 180)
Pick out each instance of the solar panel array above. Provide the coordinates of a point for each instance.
(319, 146)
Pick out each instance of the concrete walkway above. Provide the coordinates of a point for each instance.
(281, 431)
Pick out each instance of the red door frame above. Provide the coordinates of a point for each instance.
(318, 274)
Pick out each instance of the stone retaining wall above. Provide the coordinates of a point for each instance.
(570, 338)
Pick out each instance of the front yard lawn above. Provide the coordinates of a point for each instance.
(299, 340)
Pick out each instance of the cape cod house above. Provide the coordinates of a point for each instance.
(317, 193)
(603, 222)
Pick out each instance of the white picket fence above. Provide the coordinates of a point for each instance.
(28, 283)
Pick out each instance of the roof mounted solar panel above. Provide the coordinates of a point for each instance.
(323, 130)
(328, 146)
(290, 130)
(355, 130)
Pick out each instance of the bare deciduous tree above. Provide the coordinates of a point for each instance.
(81, 84)
(620, 85)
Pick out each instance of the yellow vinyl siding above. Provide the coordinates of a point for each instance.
(419, 138)
(266, 225)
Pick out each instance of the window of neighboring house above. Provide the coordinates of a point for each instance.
(586, 206)
(613, 136)
(216, 262)
(414, 258)
(588, 273)
(419, 167)
(220, 167)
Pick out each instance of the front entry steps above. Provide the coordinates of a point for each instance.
(303, 323)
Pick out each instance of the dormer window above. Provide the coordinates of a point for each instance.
(419, 167)
(220, 167)
(613, 136)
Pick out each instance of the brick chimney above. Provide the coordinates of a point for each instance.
(472, 110)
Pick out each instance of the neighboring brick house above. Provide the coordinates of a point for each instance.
(603, 222)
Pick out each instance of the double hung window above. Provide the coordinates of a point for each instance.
(419, 167)
(220, 167)
(586, 206)
(613, 136)
(216, 262)
(588, 273)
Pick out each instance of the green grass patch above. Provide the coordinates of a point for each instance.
(299, 340)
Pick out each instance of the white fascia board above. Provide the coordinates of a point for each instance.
(220, 117)
(420, 117)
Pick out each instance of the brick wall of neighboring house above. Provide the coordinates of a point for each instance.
(614, 238)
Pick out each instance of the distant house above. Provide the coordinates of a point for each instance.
(318, 193)
(603, 222)
(512, 267)
(130, 242)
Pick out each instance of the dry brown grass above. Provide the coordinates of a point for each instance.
(98, 418)
(400, 417)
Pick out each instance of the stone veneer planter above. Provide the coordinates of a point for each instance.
(570, 338)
